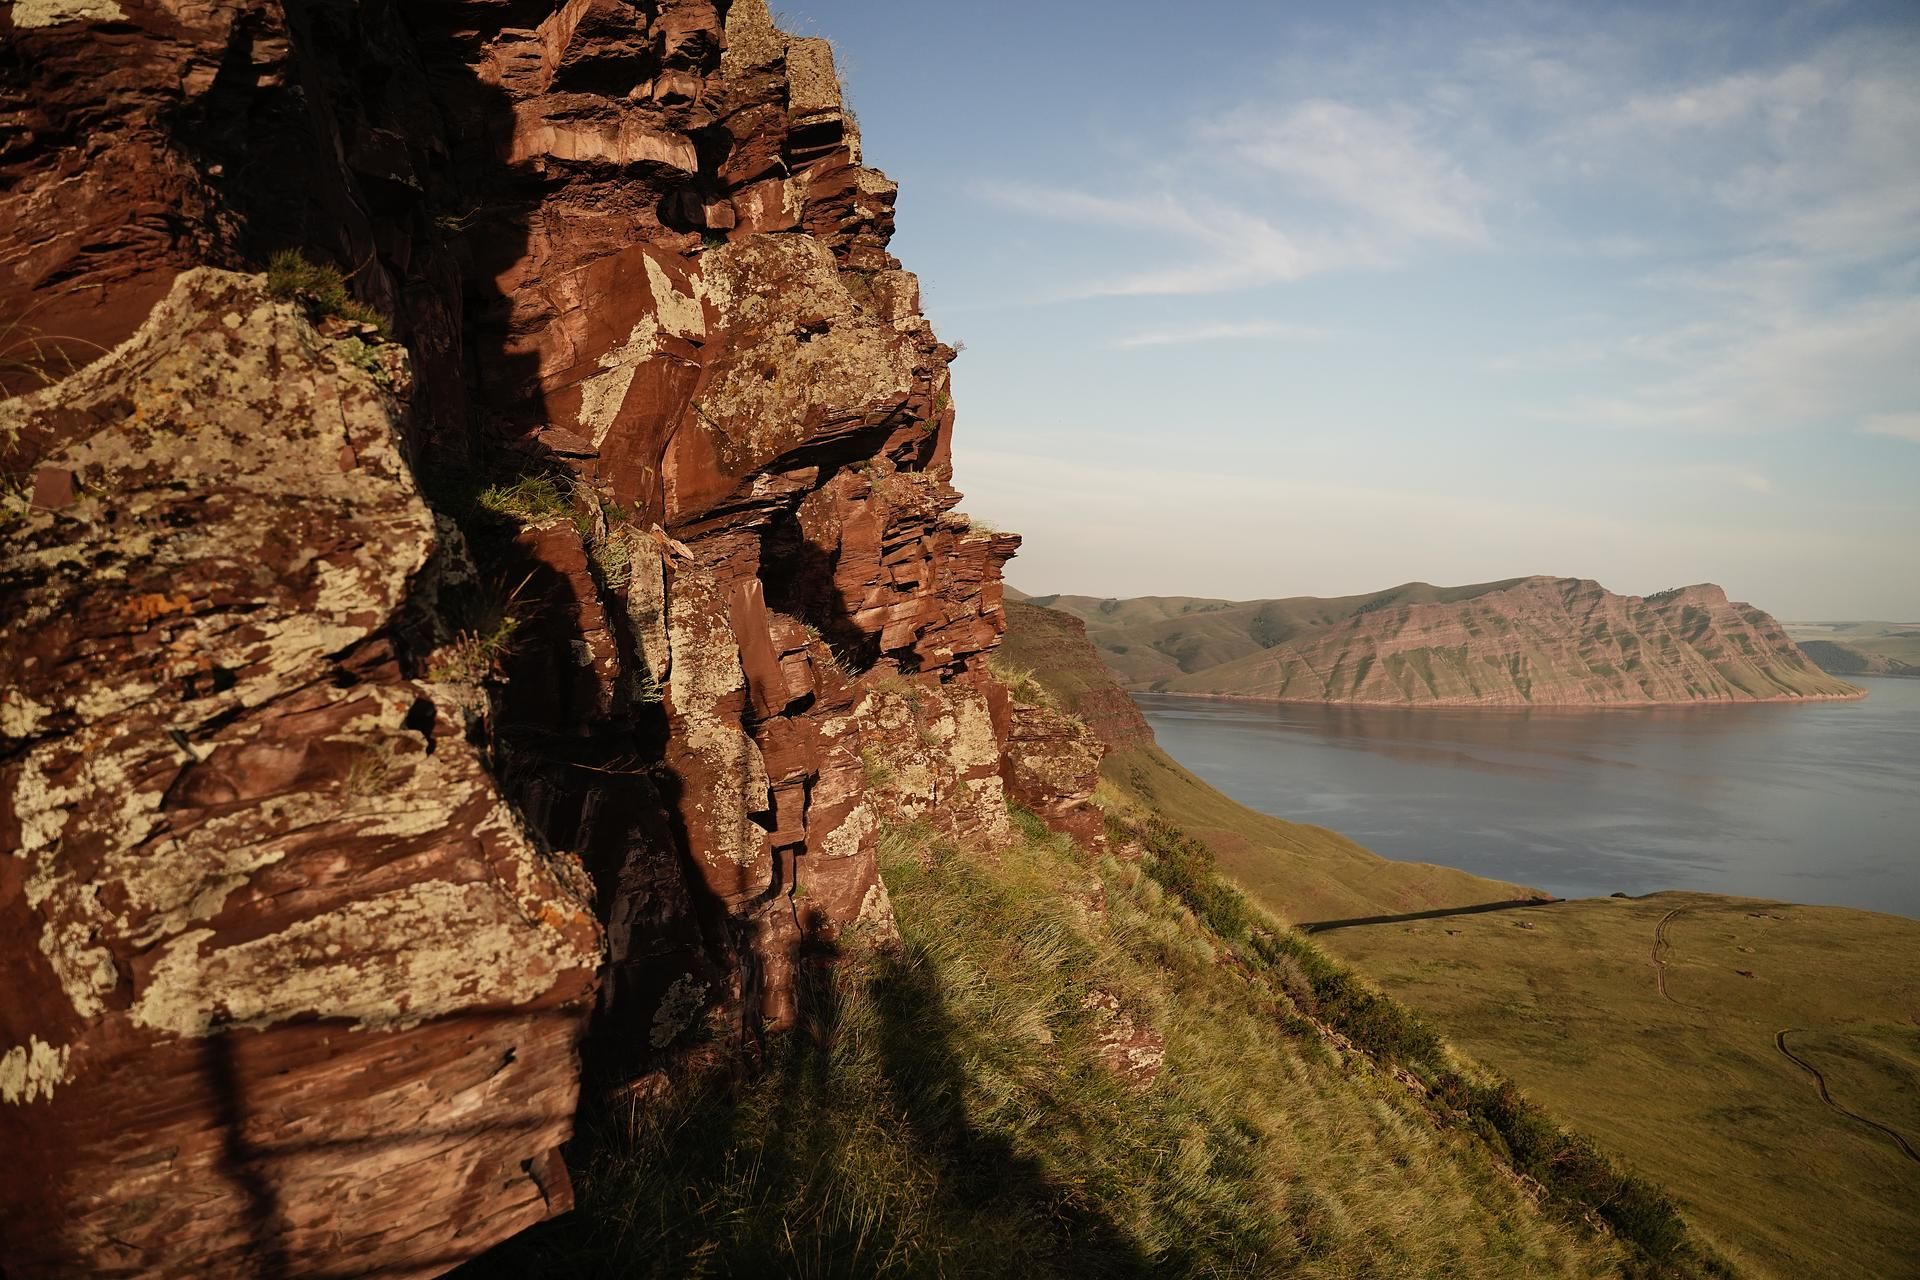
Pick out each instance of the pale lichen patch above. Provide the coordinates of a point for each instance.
(705, 679)
(394, 960)
(20, 716)
(850, 837)
(51, 13)
(752, 39)
(31, 1071)
(680, 314)
(876, 910)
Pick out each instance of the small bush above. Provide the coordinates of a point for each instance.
(372, 769)
(612, 564)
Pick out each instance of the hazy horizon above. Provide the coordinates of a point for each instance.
(1315, 301)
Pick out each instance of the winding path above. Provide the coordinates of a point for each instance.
(1820, 1082)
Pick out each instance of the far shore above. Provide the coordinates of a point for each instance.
(1375, 705)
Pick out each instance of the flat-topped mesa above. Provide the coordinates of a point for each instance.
(308, 780)
(1535, 641)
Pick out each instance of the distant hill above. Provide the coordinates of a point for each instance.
(1860, 648)
(1535, 641)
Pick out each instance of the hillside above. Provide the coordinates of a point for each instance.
(1052, 1068)
(1303, 872)
(1521, 642)
(1584, 1002)
(1860, 648)
(1662, 1026)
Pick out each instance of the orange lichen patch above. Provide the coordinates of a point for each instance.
(145, 610)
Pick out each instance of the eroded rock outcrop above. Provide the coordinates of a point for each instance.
(274, 939)
(1524, 642)
(331, 814)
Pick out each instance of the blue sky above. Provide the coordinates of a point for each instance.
(1268, 300)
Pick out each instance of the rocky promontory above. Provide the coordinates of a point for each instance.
(1523, 642)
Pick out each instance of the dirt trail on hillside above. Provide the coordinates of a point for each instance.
(1662, 944)
(1820, 1082)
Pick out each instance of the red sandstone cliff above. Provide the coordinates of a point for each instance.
(381, 701)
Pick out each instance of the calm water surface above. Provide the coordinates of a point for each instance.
(1817, 802)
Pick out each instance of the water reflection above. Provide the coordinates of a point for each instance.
(1815, 802)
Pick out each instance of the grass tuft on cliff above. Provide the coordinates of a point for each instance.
(949, 1105)
(291, 274)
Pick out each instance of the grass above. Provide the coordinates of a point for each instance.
(473, 656)
(874, 770)
(1572, 1171)
(1301, 872)
(1020, 682)
(529, 499)
(947, 1106)
(1691, 1086)
(31, 359)
(488, 620)
(16, 500)
(292, 275)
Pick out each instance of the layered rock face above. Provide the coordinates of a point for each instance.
(1056, 643)
(1526, 642)
(273, 939)
(384, 700)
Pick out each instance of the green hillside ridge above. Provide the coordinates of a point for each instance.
(1649, 1025)
(1533, 641)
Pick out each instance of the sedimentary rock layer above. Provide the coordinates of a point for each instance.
(527, 638)
(1524, 642)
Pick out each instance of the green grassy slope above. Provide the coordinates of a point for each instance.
(1304, 873)
(1690, 1084)
(950, 1105)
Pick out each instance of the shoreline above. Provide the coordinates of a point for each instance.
(1372, 705)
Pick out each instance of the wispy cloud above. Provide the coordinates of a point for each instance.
(1228, 332)
(1837, 367)
(1241, 249)
(1900, 426)
(1383, 168)
(1351, 188)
